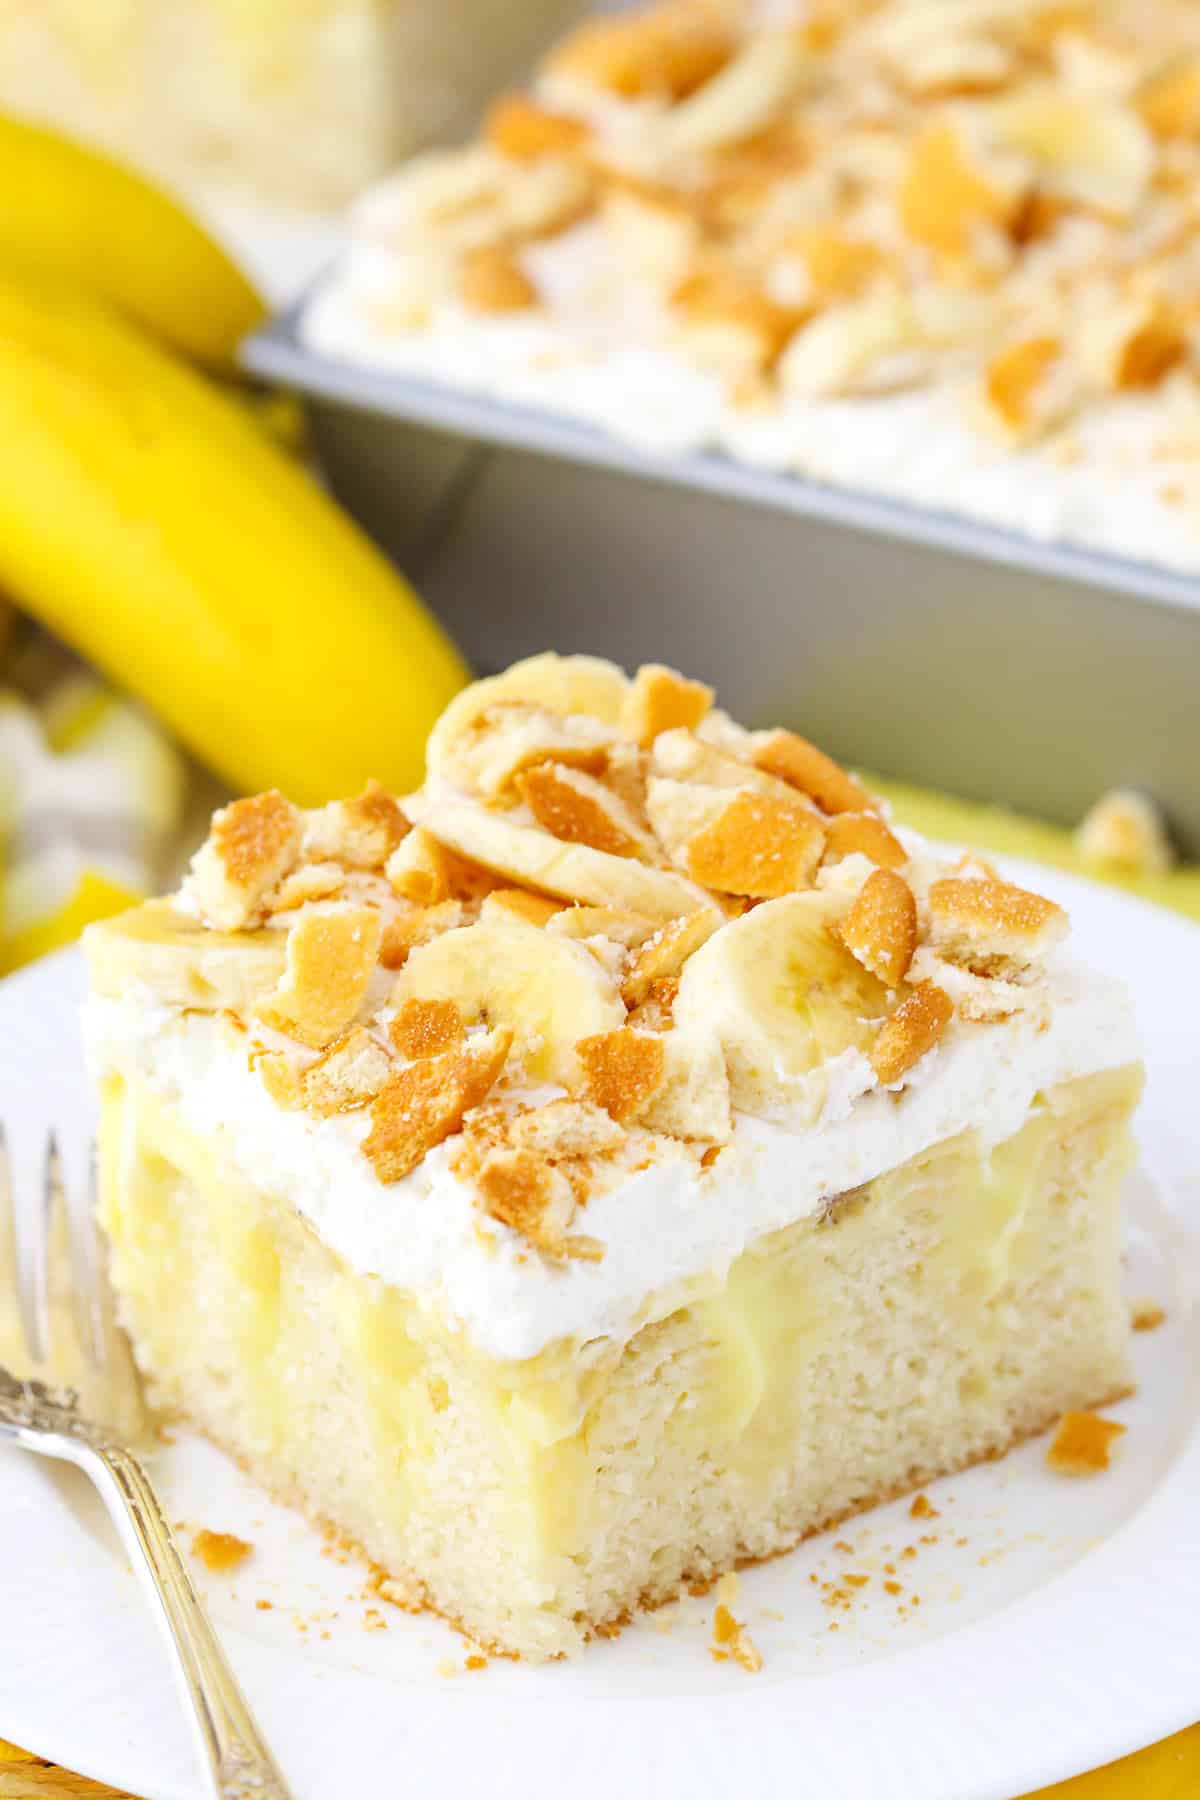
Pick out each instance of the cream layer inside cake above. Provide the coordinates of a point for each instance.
(930, 1319)
(425, 1239)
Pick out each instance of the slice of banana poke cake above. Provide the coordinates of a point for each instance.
(618, 1160)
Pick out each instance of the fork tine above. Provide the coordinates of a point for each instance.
(45, 1244)
(106, 1334)
(61, 1281)
(77, 1170)
(29, 1190)
(10, 1311)
(106, 1340)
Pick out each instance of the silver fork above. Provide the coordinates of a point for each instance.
(50, 1418)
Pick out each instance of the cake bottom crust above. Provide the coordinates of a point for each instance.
(928, 1321)
(691, 1582)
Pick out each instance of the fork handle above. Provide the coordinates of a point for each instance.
(240, 1764)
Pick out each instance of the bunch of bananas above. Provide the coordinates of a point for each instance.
(150, 520)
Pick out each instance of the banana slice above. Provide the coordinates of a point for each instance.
(784, 997)
(548, 991)
(1088, 147)
(157, 946)
(745, 98)
(531, 857)
(835, 352)
(564, 685)
(460, 199)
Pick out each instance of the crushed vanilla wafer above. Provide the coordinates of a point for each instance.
(330, 957)
(581, 809)
(1082, 1444)
(732, 1642)
(757, 846)
(253, 845)
(426, 1028)
(526, 1192)
(794, 760)
(663, 700)
(421, 1105)
(350, 1073)
(220, 1551)
(578, 904)
(623, 1070)
(911, 1031)
(407, 931)
(881, 927)
(990, 926)
(660, 956)
(360, 833)
(566, 1129)
(862, 834)
(311, 881)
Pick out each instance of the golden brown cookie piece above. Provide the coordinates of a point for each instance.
(758, 847)
(623, 1070)
(992, 927)
(911, 1031)
(862, 834)
(427, 1028)
(793, 759)
(330, 958)
(521, 129)
(422, 1104)
(1082, 1444)
(880, 930)
(491, 280)
(577, 808)
(252, 845)
(661, 699)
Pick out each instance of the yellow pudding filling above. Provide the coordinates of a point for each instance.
(926, 1320)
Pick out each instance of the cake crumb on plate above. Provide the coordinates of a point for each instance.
(1081, 1445)
(731, 1640)
(220, 1551)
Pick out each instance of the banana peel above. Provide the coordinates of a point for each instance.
(146, 519)
(77, 215)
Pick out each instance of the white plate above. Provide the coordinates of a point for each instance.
(1055, 1631)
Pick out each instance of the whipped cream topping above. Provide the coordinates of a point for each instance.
(664, 1225)
(914, 446)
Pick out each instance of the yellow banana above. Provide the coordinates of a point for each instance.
(81, 217)
(147, 520)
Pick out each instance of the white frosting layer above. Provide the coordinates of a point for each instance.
(669, 1223)
(600, 357)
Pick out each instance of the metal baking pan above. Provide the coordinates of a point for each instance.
(907, 641)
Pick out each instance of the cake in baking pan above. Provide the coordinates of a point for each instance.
(944, 250)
